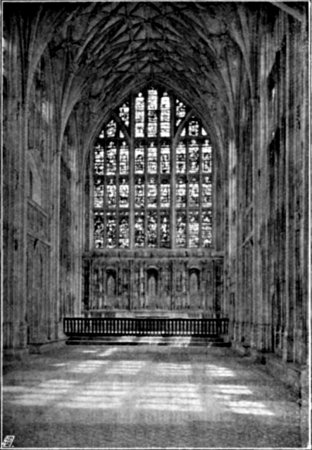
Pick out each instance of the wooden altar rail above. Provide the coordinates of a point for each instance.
(144, 327)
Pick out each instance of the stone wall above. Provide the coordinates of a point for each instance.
(266, 259)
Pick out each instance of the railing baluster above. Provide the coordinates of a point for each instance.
(148, 326)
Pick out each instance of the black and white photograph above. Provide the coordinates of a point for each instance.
(156, 224)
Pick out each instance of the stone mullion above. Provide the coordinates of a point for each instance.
(131, 174)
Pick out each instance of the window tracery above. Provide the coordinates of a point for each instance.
(151, 180)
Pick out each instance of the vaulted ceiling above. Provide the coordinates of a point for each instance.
(100, 51)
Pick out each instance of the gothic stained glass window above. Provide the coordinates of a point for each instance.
(152, 176)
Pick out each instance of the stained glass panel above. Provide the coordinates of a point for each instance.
(181, 230)
(139, 159)
(193, 157)
(165, 158)
(152, 113)
(152, 193)
(193, 229)
(124, 194)
(180, 111)
(152, 229)
(139, 229)
(194, 192)
(99, 160)
(206, 156)
(139, 115)
(206, 192)
(124, 113)
(193, 127)
(111, 194)
(124, 234)
(111, 231)
(206, 228)
(165, 115)
(165, 194)
(139, 193)
(164, 230)
(152, 99)
(152, 158)
(181, 158)
(111, 129)
(98, 220)
(124, 159)
(98, 192)
(181, 192)
(111, 156)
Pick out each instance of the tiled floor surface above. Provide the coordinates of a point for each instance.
(146, 396)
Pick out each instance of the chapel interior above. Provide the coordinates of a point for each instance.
(156, 165)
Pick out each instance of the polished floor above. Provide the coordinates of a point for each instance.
(146, 397)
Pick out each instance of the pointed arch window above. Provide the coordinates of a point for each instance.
(152, 176)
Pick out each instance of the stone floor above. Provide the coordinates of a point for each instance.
(146, 396)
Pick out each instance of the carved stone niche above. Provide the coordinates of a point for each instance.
(195, 294)
(110, 287)
(152, 284)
